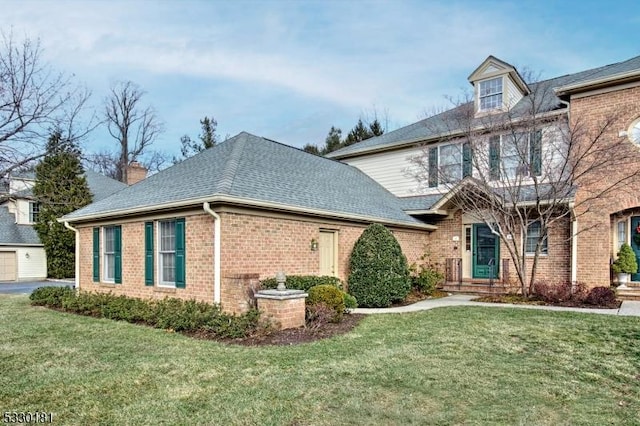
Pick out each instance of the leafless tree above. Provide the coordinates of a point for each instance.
(133, 125)
(34, 101)
(526, 164)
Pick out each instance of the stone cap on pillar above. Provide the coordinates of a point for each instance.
(280, 294)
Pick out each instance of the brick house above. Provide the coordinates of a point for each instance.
(581, 246)
(247, 208)
(210, 226)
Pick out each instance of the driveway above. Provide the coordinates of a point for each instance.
(26, 287)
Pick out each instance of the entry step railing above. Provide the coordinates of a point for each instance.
(453, 274)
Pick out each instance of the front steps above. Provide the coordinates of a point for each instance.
(631, 292)
(480, 288)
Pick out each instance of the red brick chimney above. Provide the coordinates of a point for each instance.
(135, 172)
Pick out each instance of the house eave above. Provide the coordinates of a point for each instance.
(225, 199)
(598, 83)
(392, 146)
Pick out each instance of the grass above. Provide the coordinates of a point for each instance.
(466, 365)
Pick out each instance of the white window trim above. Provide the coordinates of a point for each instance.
(158, 255)
(480, 97)
(103, 247)
(524, 243)
(627, 240)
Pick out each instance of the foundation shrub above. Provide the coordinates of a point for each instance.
(379, 272)
(318, 315)
(601, 296)
(188, 316)
(350, 302)
(50, 296)
(559, 291)
(303, 282)
(329, 295)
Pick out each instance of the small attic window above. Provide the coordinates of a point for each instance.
(490, 94)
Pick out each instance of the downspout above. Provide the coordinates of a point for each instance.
(77, 277)
(216, 252)
(574, 246)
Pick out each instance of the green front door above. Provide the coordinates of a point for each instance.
(635, 242)
(486, 252)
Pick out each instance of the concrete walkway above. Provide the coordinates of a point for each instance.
(628, 308)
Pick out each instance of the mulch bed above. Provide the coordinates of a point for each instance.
(519, 300)
(294, 336)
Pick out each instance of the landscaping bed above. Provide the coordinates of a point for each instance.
(521, 300)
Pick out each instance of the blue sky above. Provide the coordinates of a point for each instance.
(289, 70)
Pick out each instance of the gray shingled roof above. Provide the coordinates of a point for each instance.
(99, 185)
(14, 234)
(437, 125)
(251, 168)
(420, 202)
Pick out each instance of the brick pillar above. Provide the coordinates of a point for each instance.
(285, 307)
(237, 291)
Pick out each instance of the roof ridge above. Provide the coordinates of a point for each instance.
(231, 169)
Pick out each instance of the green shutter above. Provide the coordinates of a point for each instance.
(180, 253)
(494, 157)
(535, 153)
(96, 255)
(148, 253)
(117, 236)
(433, 167)
(467, 160)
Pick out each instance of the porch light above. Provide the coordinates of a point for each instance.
(280, 279)
(314, 244)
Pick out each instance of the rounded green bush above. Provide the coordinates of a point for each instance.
(350, 302)
(379, 272)
(51, 296)
(329, 295)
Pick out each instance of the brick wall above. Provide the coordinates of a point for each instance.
(253, 247)
(594, 245)
(199, 262)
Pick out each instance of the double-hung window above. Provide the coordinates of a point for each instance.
(534, 231)
(515, 154)
(110, 256)
(490, 94)
(34, 211)
(166, 252)
(449, 163)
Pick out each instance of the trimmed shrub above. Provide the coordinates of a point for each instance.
(172, 314)
(379, 273)
(50, 296)
(426, 279)
(601, 296)
(303, 282)
(330, 296)
(626, 262)
(350, 302)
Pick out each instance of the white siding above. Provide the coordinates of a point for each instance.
(511, 93)
(20, 184)
(392, 169)
(22, 210)
(32, 267)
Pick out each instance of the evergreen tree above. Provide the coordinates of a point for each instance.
(208, 139)
(60, 188)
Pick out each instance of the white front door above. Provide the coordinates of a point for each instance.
(327, 247)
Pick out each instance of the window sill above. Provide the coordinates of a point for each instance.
(531, 255)
(108, 285)
(159, 289)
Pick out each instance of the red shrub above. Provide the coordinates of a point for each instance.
(559, 292)
(601, 296)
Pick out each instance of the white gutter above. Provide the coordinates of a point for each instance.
(250, 203)
(77, 277)
(216, 252)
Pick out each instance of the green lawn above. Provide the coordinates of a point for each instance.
(446, 366)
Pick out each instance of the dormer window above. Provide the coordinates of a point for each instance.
(490, 94)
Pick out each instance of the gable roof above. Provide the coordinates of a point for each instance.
(100, 186)
(254, 171)
(14, 234)
(438, 125)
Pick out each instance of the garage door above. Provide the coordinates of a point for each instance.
(7, 265)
